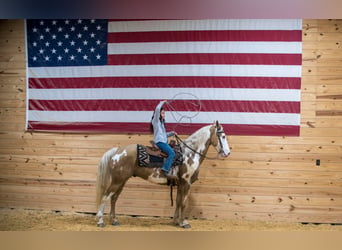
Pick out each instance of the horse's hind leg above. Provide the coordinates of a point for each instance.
(114, 198)
(100, 213)
(113, 195)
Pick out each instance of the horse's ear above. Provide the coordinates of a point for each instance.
(217, 124)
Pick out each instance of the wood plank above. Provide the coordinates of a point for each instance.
(54, 175)
(44, 147)
(321, 25)
(321, 36)
(328, 122)
(330, 102)
(327, 80)
(289, 148)
(322, 132)
(318, 61)
(329, 112)
(11, 25)
(19, 95)
(58, 143)
(284, 157)
(317, 55)
(328, 90)
(53, 159)
(270, 216)
(276, 182)
(322, 71)
(270, 174)
(127, 139)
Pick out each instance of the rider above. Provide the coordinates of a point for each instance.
(160, 137)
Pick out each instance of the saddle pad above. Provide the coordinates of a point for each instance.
(145, 159)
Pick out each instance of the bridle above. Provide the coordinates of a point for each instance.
(218, 134)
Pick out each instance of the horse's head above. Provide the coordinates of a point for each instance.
(219, 140)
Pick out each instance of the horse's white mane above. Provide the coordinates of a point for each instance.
(200, 135)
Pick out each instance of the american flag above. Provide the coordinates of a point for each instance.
(108, 75)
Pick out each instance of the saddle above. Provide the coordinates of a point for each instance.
(152, 156)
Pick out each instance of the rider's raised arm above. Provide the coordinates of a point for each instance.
(157, 112)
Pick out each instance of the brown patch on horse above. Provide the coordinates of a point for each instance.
(194, 177)
(213, 137)
(190, 161)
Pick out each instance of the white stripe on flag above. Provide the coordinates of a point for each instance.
(206, 47)
(172, 117)
(214, 24)
(167, 70)
(166, 93)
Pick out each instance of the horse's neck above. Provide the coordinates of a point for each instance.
(199, 140)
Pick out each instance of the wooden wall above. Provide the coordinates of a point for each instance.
(265, 178)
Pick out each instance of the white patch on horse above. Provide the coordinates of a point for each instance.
(100, 213)
(108, 196)
(156, 178)
(191, 159)
(201, 139)
(116, 158)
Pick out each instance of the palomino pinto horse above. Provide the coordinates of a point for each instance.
(119, 164)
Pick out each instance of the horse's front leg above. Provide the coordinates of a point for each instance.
(178, 204)
(182, 197)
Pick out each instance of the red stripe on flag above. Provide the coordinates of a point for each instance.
(206, 35)
(178, 105)
(205, 58)
(116, 127)
(166, 82)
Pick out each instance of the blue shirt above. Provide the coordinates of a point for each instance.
(160, 134)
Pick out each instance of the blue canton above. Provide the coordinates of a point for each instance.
(66, 42)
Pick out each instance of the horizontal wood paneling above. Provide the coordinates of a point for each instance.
(265, 178)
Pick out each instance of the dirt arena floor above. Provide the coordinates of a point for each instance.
(36, 220)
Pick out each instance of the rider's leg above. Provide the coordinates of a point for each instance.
(170, 156)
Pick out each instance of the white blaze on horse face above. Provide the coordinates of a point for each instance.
(224, 144)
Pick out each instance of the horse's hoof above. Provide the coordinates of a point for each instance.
(116, 223)
(101, 225)
(186, 226)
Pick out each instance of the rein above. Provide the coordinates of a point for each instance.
(193, 150)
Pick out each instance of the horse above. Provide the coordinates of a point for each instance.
(119, 164)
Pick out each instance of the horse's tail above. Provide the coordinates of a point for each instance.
(103, 175)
